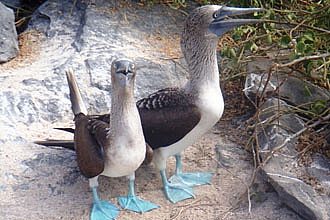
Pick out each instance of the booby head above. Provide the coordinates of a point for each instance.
(123, 72)
(215, 20)
(223, 21)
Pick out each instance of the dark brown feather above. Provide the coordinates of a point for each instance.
(167, 116)
(99, 130)
(90, 156)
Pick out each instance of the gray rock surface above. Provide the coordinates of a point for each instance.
(87, 38)
(283, 171)
(8, 34)
(278, 124)
(320, 169)
(292, 89)
(11, 3)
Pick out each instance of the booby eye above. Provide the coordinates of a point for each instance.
(215, 15)
(132, 66)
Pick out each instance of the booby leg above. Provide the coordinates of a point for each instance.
(101, 210)
(175, 192)
(190, 179)
(132, 202)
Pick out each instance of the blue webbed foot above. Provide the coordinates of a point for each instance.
(103, 210)
(132, 202)
(136, 204)
(177, 192)
(192, 179)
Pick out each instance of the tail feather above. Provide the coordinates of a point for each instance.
(71, 130)
(69, 144)
(77, 102)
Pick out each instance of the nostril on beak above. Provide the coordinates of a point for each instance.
(126, 72)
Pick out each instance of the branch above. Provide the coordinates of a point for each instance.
(313, 57)
(296, 24)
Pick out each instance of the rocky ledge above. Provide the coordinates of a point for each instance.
(281, 94)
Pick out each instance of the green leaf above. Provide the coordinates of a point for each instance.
(269, 38)
(309, 66)
(309, 49)
(285, 41)
(307, 91)
(291, 16)
(318, 106)
(232, 53)
(309, 37)
(300, 47)
(224, 52)
(253, 47)
(270, 14)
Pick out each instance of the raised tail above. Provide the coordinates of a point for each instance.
(77, 102)
(58, 143)
(71, 130)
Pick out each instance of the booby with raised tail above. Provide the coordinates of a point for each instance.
(112, 149)
(174, 118)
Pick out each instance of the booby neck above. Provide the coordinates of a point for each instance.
(125, 119)
(199, 49)
(203, 72)
(122, 102)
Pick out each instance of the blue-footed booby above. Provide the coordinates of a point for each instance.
(116, 149)
(174, 118)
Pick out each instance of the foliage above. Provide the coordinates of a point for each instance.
(299, 26)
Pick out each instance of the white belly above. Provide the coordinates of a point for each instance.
(122, 159)
(212, 106)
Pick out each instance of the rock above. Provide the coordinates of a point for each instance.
(87, 38)
(320, 169)
(256, 84)
(8, 34)
(292, 88)
(284, 175)
(282, 170)
(12, 3)
(299, 196)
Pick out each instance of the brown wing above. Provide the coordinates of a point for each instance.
(99, 130)
(90, 156)
(167, 116)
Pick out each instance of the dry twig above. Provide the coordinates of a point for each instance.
(313, 57)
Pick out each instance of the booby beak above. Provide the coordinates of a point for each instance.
(224, 22)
